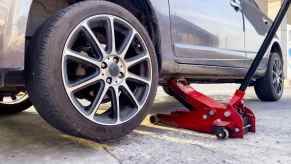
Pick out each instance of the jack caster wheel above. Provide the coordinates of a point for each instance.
(221, 133)
(154, 119)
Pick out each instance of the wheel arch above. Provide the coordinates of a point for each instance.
(276, 47)
(41, 10)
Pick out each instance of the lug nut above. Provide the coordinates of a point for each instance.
(103, 65)
(115, 59)
(121, 75)
(109, 80)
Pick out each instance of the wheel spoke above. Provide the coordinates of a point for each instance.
(84, 83)
(81, 58)
(115, 103)
(279, 88)
(97, 102)
(127, 43)
(280, 73)
(275, 68)
(131, 95)
(280, 69)
(277, 76)
(274, 74)
(276, 84)
(274, 80)
(136, 60)
(98, 47)
(138, 79)
(278, 65)
(111, 36)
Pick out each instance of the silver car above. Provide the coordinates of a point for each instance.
(91, 68)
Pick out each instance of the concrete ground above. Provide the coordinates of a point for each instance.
(27, 139)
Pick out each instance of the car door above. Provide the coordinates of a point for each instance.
(256, 28)
(208, 32)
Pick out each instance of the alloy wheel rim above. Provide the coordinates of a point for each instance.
(14, 99)
(115, 69)
(277, 75)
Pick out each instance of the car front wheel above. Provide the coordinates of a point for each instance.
(93, 71)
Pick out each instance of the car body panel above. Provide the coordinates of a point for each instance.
(212, 53)
(256, 25)
(13, 22)
(206, 35)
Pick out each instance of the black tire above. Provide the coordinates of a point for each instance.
(14, 108)
(44, 73)
(265, 87)
(221, 133)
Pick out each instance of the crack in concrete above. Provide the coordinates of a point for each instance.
(111, 154)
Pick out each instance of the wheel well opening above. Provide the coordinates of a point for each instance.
(276, 48)
(41, 10)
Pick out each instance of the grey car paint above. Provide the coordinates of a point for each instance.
(206, 36)
(206, 39)
(224, 36)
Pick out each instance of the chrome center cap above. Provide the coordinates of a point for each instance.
(114, 69)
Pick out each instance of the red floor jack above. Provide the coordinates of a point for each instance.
(206, 115)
